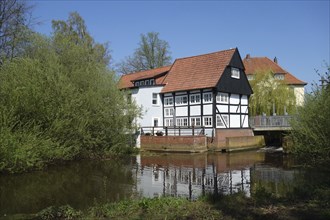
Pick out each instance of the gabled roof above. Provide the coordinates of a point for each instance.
(197, 72)
(126, 81)
(264, 64)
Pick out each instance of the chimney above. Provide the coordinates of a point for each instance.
(247, 56)
(275, 60)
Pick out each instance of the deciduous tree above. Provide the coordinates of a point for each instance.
(151, 53)
(15, 22)
(268, 93)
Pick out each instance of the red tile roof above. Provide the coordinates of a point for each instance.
(264, 64)
(126, 81)
(197, 72)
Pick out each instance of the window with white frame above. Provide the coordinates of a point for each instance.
(147, 82)
(195, 98)
(182, 122)
(195, 121)
(207, 97)
(207, 121)
(152, 82)
(222, 122)
(154, 98)
(222, 97)
(169, 122)
(137, 83)
(168, 101)
(181, 100)
(279, 76)
(141, 83)
(169, 112)
(235, 73)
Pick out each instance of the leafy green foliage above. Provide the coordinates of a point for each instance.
(59, 102)
(267, 91)
(311, 127)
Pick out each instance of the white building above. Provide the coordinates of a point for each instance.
(209, 90)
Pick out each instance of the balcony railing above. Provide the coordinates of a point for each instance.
(270, 121)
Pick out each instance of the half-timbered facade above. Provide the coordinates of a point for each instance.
(209, 90)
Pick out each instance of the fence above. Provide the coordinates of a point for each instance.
(172, 131)
(270, 121)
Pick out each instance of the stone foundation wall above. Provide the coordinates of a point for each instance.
(174, 143)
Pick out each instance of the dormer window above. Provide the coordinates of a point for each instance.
(251, 77)
(279, 76)
(235, 73)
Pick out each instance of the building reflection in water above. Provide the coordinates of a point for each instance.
(193, 175)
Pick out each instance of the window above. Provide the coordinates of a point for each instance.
(154, 98)
(182, 122)
(235, 73)
(142, 83)
(207, 97)
(279, 76)
(168, 101)
(147, 82)
(155, 122)
(169, 122)
(222, 97)
(195, 121)
(251, 77)
(221, 123)
(137, 84)
(169, 112)
(195, 98)
(152, 82)
(181, 100)
(207, 121)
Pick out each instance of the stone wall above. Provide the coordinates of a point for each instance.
(174, 143)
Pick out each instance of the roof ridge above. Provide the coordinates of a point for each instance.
(205, 54)
(146, 70)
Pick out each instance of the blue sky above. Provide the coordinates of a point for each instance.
(296, 32)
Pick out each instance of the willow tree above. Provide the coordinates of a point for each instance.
(271, 95)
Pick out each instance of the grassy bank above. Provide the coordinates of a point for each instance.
(237, 206)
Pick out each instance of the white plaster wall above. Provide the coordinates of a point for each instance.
(234, 109)
(234, 99)
(244, 109)
(234, 121)
(195, 110)
(207, 109)
(244, 100)
(245, 121)
(181, 111)
(299, 92)
(223, 108)
(143, 97)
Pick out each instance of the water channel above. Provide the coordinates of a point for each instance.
(85, 183)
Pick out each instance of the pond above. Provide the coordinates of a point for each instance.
(86, 183)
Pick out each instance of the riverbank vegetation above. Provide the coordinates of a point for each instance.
(311, 126)
(59, 101)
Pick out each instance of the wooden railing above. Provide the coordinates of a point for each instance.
(270, 121)
(172, 131)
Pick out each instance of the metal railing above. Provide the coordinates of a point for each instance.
(172, 131)
(270, 121)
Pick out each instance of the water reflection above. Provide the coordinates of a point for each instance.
(82, 184)
(192, 175)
